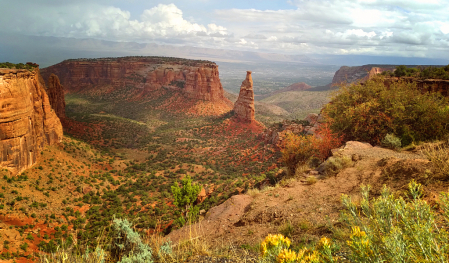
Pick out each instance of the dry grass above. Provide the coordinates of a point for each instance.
(311, 180)
(253, 192)
(191, 245)
(335, 164)
(438, 154)
(301, 170)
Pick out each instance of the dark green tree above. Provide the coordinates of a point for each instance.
(184, 197)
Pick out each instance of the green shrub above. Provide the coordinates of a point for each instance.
(184, 197)
(368, 112)
(389, 229)
(385, 229)
(392, 142)
(128, 247)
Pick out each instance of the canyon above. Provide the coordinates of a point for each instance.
(27, 121)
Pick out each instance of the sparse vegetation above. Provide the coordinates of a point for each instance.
(385, 229)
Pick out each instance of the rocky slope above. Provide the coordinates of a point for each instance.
(306, 212)
(198, 80)
(27, 121)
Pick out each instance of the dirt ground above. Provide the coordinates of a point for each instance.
(310, 209)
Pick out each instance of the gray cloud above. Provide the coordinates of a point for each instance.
(375, 27)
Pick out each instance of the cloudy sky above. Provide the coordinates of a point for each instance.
(409, 28)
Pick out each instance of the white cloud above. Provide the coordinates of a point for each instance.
(371, 27)
(163, 21)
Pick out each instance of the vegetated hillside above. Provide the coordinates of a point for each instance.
(124, 153)
(299, 103)
(327, 208)
(75, 190)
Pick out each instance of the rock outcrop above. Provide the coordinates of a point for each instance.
(55, 92)
(244, 106)
(27, 121)
(204, 84)
(196, 80)
(348, 75)
(199, 79)
(426, 85)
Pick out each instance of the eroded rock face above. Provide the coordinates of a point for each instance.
(198, 79)
(244, 106)
(27, 121)
(348, 75)
(204, 84)
(55, 92)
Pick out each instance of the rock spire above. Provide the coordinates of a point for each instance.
(244, 107)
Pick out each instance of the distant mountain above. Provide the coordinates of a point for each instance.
(47, 51)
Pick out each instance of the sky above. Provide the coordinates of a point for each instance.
(400, 28)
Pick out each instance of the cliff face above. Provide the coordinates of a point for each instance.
(27, 121)
(204, 84)
(198, 79)
(244, 106)
(55, 92)
(348, 75)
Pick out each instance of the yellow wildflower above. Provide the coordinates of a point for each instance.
(285, 256)
(325, 242)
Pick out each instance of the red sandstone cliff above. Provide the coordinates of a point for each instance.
(244, 106)
(27, 121)
(197, 80)
(55, 92)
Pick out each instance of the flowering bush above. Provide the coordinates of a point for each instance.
(385, 229)
(275, 248)
(395, 230)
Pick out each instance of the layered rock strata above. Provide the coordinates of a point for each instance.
(244, 106)
(55, 92)
(197, 79)
(348, 75)
(27, 121)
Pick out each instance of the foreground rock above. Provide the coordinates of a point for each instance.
(27, 121)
